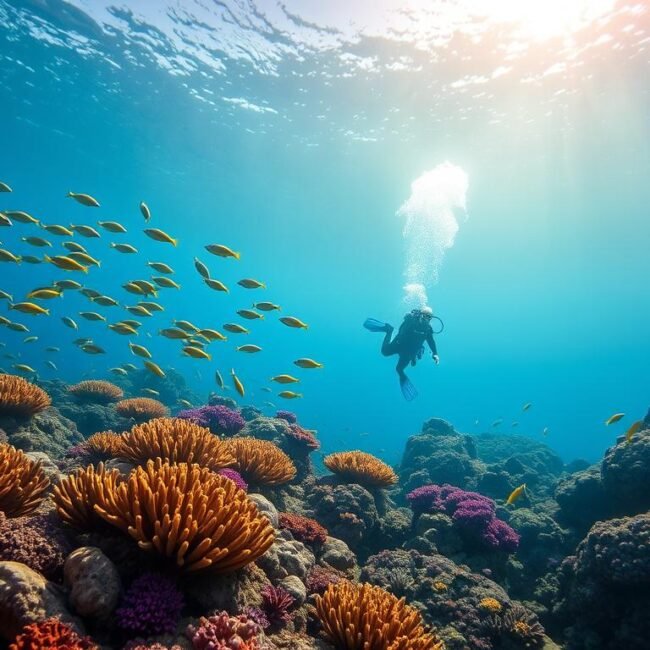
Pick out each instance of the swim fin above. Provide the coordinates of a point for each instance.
(375, 325)
(408, 389)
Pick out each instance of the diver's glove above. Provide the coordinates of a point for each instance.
(436, 359)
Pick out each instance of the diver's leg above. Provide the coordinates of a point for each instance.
(402, 362)
(408, 389)
(388, 346)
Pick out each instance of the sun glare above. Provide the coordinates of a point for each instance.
(542, 19)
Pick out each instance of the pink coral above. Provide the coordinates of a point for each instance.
(224, 632)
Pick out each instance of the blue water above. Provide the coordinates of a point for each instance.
(296, 144)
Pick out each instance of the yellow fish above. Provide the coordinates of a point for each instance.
(235, 328)
(4, 321)
(67, 284)
(52, 349)
(84, 199)
(139, 310)
(5, 221)
(218, 378)
(614, 418)
(31, 259)
(289, 394)
(4, 187)
(186, 403)
(307, 363)
(266, 306)
(151, 391)
(119, 371)
(105, 301)
(51, 364)
(17, 327)
(146, 213)
(20, 216)
(22, 367)
(131, 323)
(634, 428)
(124, 248)
(527, 406)
(85, 231)
(30, 308)
(239, 387)
(123, 328)
(133, 288)
(202, 269)
(174, 333)
(250, 283)
(187, 326)
(285, 379)
(69, 323)
(154, 368)
(166, 283)
(140, 351)
(251, 349)
(6, 296)
(515, 494)
(249, 314)
(151, 306)
(73, 247)
(55, 229)
(161, 267)
(66, 263)
(91, 315)
(112, 226)
(30, 339)
(44, 294)
(146, 287)
(216, 285)
(161, 236)
(84, 258)
(129, 366)
(290, 321)
(36, 241)
(196, 353)
(91, 294)
(212, 335)
(6, 256)
(222, 251)
(91, 348)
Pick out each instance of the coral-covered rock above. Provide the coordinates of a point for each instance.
(93, 583)
(304, 529)
(36, 541)
(266, 508)
(286, 557)
(335, 553)
(296, 588)
(222, 632)
(27, 597)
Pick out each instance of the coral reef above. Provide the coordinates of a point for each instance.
(141, 409)
(23, 483)
(175, 441)
(220, 419)
(366, 616)
(304, 529)
(234, 476)
(103, 445)
(20, 398)
(360, 467)
(223, 632)
(276, 605)
(96, 390)
(152, 605)
(289, 416)
(49, 635)
(261, 462)
(199, 519)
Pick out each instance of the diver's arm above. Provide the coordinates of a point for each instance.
(432, 345)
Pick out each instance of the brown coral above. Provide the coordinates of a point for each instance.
(360, 467)
(185, 512)
(77, 494)
(141, 409)
(261, 462)
(97, 391)
(22, 482)
(356, 617)
(20, 398)
(104, 445)
(176, 441)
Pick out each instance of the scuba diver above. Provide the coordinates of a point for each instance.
(409, 342)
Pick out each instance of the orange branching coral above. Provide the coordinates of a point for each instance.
(362, 468)
(261, 462)
(141, 409)
(176, 441)
(50, 635)
(20, 398)
(22, 482)
(365, 617)
(77, 494)
(96, 390)
(185, 512)
(491, 605)
(104, 445)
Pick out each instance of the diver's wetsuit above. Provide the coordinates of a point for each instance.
(408, 342)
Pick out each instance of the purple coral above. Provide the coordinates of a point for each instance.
(152, 605)
(235, 477)
(302, 439)
(289, 416)
(276, 603)
(224, 632)
(472, 513)
(220, 419)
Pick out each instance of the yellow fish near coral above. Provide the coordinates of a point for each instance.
(154, 368)
(84, 199)
(160, 235)
(516, 494)
(239, 387)
(289, 394)
(218, 378)
(140, 351)
(634, 428)
(614, 418)
(23, 367)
